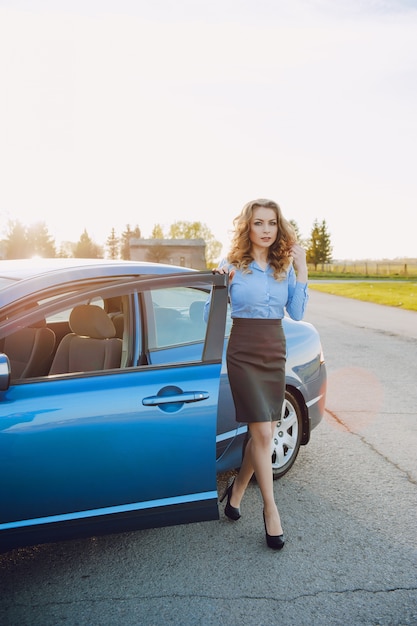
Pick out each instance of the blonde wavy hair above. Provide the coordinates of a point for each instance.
(279, 253)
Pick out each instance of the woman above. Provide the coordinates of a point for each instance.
(267, 275)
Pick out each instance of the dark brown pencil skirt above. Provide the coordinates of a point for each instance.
(256, 356)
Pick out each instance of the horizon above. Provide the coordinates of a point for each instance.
(64, 244)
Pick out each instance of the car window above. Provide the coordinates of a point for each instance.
(42, 341)
(177, 316)
(63, 316)
(156, 326)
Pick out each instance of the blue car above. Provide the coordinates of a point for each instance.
(115, 408)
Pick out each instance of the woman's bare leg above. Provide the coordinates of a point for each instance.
(257, 458)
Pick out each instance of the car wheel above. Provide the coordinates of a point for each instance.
(287, 437)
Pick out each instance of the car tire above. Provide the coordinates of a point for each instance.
(287, 437)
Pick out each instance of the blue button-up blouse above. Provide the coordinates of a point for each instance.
(259, 295)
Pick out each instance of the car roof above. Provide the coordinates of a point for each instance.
(18, 269)
(20, 277)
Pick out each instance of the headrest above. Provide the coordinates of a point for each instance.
(39, 324)
(166, 316)
(196, 311)
(113, 305)
(89, 320)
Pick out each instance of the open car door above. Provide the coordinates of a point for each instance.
(91, 452)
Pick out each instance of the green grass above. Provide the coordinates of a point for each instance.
(401, 295)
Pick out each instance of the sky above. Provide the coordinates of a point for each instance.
(134, 112)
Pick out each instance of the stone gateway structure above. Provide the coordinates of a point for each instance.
(182, 252)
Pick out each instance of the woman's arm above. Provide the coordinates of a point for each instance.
(300, 263)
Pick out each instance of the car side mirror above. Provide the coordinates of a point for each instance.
(5, 372)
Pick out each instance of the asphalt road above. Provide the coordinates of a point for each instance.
(348, 508)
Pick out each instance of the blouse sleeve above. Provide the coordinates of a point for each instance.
(297, 297)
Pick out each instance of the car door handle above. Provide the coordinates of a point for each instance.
(187, 396)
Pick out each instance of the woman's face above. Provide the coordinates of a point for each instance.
(263, 227)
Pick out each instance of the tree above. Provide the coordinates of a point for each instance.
(296, 228)
(16, 243)
(157, 232)
(112, 245)
(40, 243)
(197, 230)
(125, 238)
(157, 254)
(319, 246)
(66, 250)
(85, 248)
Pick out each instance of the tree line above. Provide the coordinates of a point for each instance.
(24, 242)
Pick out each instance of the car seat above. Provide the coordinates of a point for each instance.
(30, 350)
(92, 344)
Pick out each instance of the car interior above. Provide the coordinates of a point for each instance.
(92, 338)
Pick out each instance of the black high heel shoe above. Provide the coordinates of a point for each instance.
(276, 542)
(230, 511)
